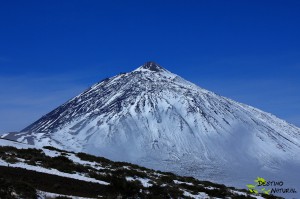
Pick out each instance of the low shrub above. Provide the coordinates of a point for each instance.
(56, 149)
(91, 158)
(11, 160)
(126, 188)
(16, 189)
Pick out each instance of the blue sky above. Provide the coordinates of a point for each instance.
(52, 50)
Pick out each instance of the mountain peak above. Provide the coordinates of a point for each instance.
(152, 66)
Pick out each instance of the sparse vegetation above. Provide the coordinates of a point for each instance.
(56, 149)
(22, 181)
(91, 158)
(16, 189)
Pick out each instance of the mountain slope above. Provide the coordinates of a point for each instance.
(155, 118)
(23, 170)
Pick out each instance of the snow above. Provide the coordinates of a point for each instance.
(52, 171)
(244, 194)
(180, 182)
(200, 195)
(161, 121)
(48, 195)
(145, 182)
(51, 153)
(45, 170)
(75, 159)
(18, 145)
(210, 188)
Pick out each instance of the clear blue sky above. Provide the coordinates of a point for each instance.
(51, 50)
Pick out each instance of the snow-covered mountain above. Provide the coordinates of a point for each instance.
(157, 119)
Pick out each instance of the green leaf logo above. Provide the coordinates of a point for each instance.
(259, 182)
(251, 186)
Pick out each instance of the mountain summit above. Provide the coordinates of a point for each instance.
(157, 119)
(152, 66)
